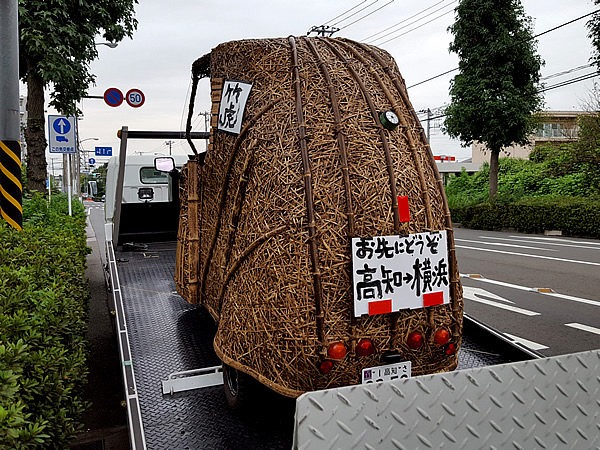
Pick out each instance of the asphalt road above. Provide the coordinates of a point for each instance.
(505, 276)
(543, 291)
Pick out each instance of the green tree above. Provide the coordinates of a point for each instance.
(497, 88)
(594, 34)
(57, 45)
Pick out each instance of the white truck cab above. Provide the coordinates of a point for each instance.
(149, 208)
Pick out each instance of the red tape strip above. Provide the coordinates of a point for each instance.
(403, 208)
(380, 307)
(433, 298)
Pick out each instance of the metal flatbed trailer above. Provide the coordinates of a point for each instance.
(161, 334)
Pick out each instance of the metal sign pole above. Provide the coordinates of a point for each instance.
(70, 193)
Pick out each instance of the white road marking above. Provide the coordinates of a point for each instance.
(560, 240)
(584, 327)
(547, 242)
(469, 295)
(498, 283)
(529, 344)
(529, 256)
(482, 292)
(525, 288)
(504, 245)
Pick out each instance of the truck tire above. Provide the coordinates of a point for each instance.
(241, 390)
(251, 399)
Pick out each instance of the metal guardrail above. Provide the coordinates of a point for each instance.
(134, 417)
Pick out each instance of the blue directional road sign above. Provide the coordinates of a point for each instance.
(103, 151)
(61, 134)
(92, 161)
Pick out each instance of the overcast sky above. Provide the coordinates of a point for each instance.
(171, 35)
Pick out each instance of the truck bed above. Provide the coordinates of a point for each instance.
(166, 335)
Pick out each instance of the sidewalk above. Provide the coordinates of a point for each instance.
(105, 423)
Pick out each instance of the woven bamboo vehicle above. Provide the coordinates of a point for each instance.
(267, 218)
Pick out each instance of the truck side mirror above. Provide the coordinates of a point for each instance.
(164, 164)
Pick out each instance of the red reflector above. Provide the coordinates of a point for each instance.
(441, 336)
(450, 349)
(414, 340)
(337, 350)
(365, 347)
(325, 366)
(433, 298)
(403, 208)
(380, 307)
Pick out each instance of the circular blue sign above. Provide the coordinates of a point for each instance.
(113, 97)
(92, 161)
(61, 126)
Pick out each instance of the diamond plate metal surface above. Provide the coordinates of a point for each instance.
(169, 335)
(539, 404)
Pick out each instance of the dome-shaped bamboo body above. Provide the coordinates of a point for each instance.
(279, 203)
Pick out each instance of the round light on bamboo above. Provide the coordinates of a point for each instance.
(325, 366)
(414, 340)
(442, 336)
(389, 120)
(337, 350)
(450, 349)
(365, 347)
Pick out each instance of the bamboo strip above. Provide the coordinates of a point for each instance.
(312, 240)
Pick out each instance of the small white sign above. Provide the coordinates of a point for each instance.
(391, 273)
(386, 373)
(61, 134)
(233, 105)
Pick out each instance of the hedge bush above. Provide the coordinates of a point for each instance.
(572, 215)
(43, 319)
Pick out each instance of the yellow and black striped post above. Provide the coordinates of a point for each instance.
(11, 189)
(11, 199)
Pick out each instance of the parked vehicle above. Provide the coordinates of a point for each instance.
(149, 209)
(316, 230)
(316, 233)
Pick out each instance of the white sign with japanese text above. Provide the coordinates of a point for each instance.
(391, 273)
(232, 106)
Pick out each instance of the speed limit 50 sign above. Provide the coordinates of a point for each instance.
(135, 98)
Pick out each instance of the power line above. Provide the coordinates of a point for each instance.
(367, 15)
(329, 30)
(355, 13)
(417, 27)
(574, 69)
(549, 88)
(571, 81)
(347, 11)
(412, 23)
(533, 37)
(405, 20)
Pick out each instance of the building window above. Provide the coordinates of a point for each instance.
(550, 130)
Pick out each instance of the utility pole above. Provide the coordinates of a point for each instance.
(323, 30)
(206, 115)
(169, 143)
(428, 129)
(11, 192)
(428, 124)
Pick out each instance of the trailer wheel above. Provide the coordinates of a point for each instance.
(240, 388)
(251, 399)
